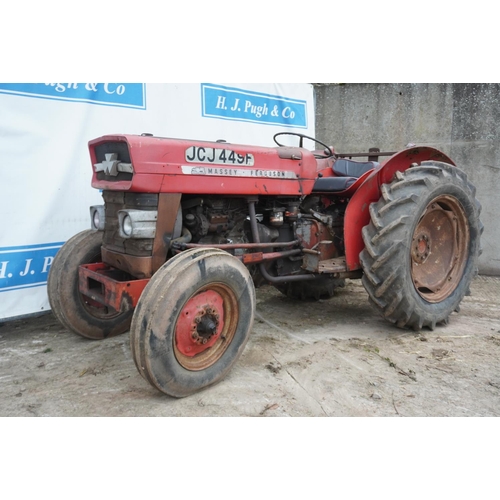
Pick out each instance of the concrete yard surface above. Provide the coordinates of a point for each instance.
(327, 358)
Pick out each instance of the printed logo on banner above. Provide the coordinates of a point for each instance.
(125, 95)
(236, 104)
(27, 266)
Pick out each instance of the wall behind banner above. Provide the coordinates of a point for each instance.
(45, 169)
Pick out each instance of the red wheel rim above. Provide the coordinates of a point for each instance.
(205, 326)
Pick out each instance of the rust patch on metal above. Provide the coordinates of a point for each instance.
(139, 267)
(337, 265)
(168, 206)
(439, 250)
(110, 287)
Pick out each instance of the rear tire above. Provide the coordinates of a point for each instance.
(70, 307)
(422, 245)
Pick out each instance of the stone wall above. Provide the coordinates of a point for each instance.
(462, 120)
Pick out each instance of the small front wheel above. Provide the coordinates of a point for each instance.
(192, 321)
(75, 311)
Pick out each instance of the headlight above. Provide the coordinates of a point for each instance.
(127, 225)
(137, 224)
(97, 217)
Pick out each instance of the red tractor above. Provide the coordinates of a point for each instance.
(189, 228)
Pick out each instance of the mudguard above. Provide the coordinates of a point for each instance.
(357, 214)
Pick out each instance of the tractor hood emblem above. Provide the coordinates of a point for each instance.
(111, 165)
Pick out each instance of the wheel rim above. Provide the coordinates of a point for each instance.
(98, 310)
(205, 326)
(440, 246)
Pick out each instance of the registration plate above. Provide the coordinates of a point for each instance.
(218, 156)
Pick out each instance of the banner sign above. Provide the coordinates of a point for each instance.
(27, 266)
(126, 95)
(241, 105)
(46, 169)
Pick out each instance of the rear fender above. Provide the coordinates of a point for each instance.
(357, 214)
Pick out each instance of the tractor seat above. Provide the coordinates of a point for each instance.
(346, 173)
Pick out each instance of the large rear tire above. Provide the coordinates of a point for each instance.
(422, 245)
(73, 310)
(192, 321)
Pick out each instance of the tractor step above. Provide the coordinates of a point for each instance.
(313, 264)
(338, 268)
(337, 265)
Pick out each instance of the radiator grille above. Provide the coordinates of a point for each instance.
(119, 200)
(121, 149)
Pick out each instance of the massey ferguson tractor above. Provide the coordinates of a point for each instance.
(189, 228)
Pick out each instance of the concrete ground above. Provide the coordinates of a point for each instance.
(332, 358)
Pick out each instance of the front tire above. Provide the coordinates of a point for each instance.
(422, 245)
(192, 321)
(73, 310)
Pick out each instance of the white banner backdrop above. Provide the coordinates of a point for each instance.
(45, 169)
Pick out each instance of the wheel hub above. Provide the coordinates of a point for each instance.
(200, 323)
(421, 248)
(207, 321)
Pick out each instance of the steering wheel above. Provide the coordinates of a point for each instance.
(328, 149)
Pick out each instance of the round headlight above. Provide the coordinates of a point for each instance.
(96, 219)
(127, 225)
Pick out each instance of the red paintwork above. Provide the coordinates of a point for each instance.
(357, 214)
(118, 294)
(158, 168)
(158, 165)
(186, 324)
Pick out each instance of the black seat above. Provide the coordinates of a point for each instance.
(346, 173)
(350, 168)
